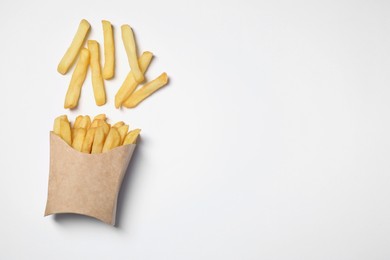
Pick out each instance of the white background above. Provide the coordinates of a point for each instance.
(270, 142)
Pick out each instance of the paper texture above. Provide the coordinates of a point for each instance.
(86, 184)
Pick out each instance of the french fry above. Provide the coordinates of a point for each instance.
(98, 140)
(88, 140)
(85, 122)
(78, 139)
(97, 79)
(123, 131)
(130, 84)
(65, 131)
(78, 121)
(131, 50)
(74, 48)
(76, 83)
(148, 89)
(131, 137)
(109, 50)
(113, 140)
(57, 124)
(100, 116)
(118, 124)
(105, 125)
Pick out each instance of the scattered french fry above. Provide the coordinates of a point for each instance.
(98, 140)
(109, 50)
(131, 50)
(131, 137)
(97, 79)
(78, 139)
(113, 140)
(130, 84)
(65, 131)
(76, 83)
(148, 89)
(88, 140)
(74, 48)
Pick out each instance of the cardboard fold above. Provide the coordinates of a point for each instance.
(86, 184)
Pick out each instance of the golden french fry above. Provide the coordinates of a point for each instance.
(105, 125)
(65, 131)
(97, 79)
(131, 50)
(130, 84)
(78, 77)
(88, 140)
(85, 122)
(109, 50)
(148, 89)
(78, 139)
(113, 140)
(118, 124)
(77, 121)
(74, 48)
(131, 137)
(57, 124)
(123, 131)
(98, 140)
(98, 117)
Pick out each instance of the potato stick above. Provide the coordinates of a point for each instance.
(109, 50)
(130, 84)
(100, 116)
(85, 122)
(147, 90)
(78, 77)
(98, 140)
(88, 141)
(57, 124)
(78, 138)
(131, 50)
(113, 140)
(74, 48)
(97, 79)
(105, 125)
(118, 124)
(123, 131)
(131, 137)
(65, 131)
(78, 121)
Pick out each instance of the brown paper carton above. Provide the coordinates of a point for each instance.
(86, 184)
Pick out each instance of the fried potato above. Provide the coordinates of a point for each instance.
(74, 48)
(78, 78)
(130, 84)
(123, 131)
(131, 137)
(57, 124)
(85, 122)
(78, 139)
(97, 79)
(98, 140)
(118, 124)
(77, 121)
(148, 89)
(88, 140)
(131, 50)
(113, 140)
(109, 50)
(65, 131)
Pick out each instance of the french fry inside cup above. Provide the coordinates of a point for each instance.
(87, 164)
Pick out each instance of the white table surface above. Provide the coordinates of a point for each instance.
(272, 140)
